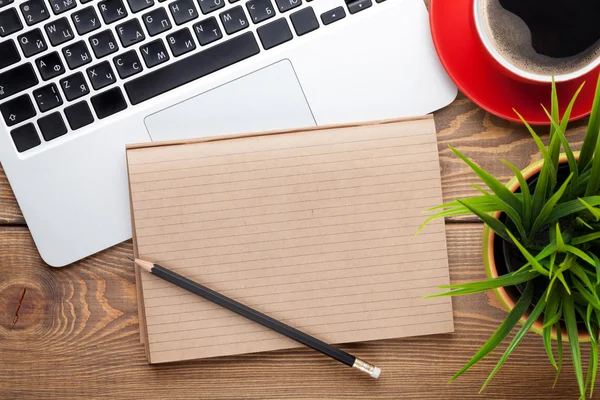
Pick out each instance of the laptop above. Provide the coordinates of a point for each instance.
(81, 79)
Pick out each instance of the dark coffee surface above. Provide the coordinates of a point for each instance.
(559, 28)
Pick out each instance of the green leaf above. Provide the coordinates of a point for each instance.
(585, 238)
(494, 184)
(591, 137)
(571, 207)
(586, 295)
(593, 366)
(560, 243)
(506, 208)
(571, 324)
(559, 349)
(548, 207)
(558, 275)
(490, 221)
(551, 316)
(597, 261)
(581, 254)
(482, 286)
(531, 259)
(526, 194)
(581, 274)
(537, 311)
(554, 147)
(552, 262)
(507, 325)
(594, 211)
(582, 222)
(593, 187)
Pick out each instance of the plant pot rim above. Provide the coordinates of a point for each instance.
(489, 237)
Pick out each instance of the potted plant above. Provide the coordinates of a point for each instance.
(541, 246)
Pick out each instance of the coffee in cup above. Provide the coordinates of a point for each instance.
(538, 39)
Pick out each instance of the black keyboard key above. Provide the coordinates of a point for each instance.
(79, 115)
(234, 20)
(10, 54)
(156, 21)
(17, 79)
(9, 22)
(77, 54)
(74, 86)
(25, 137)
(260, 10)
(304, 21)
(130, 32)
(274, 33)
(17, 110)
(32, 43)
(286, 5)
(139, 5)
(101, 75)
(61, 6)
(50, 66)
(183, 11)
(127, 64)
(181, 42)
(59, 31)
(47, 97)
(355, 6)
(103, 43)
(52, 126)
(109, 103)
(112, 10)
(191, 68)
(332, 16)
(34, 11)
(207, 31)
(5, 2)
(207, 6)
(154, 53)
(86, 20)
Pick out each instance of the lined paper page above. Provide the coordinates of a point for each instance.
(313, 228)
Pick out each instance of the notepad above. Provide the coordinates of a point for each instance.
(313, 227)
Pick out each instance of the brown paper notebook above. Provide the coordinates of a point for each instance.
(313, 227)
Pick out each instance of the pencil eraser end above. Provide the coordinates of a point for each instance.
(376, 372)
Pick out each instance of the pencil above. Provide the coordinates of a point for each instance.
(258, 317)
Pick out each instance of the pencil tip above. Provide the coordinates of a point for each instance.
(131, 258)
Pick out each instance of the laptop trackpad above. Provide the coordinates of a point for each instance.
(265, 100)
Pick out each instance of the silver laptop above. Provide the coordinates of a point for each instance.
(80, 79)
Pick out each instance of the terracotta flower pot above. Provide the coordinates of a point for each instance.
(508, 298)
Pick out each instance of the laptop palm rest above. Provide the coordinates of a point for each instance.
(268, 99)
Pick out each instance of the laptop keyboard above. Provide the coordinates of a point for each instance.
(73, 53)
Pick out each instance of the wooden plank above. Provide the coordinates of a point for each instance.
(481, 136)
(77, 336)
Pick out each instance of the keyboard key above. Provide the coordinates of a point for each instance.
(358, 5)
(234, 20)
(109, 103)
(139, 5)
(34, 11)
(79, 115)
(181, 42)
(207, 31)
(101, 75)
(103, 43)
(32, 43)
(191, 68)
(17, 79)
(77, 54)
(154, 53)
(9, 52)
(52, 126)
(47, 97)
(74, 86)
(156, 21)
(5, 2)
(112, 10)
(274, 33)
(9, 22)
(50, 66)
(25, 137)
(59, 31)
(260, 10)
(183, 11)
(304, 21)
(60, 6)
(85, 20)
(208, 6)
(130, 32)
(127, 64)
(286, 5)
(332, 16)
(17, 110)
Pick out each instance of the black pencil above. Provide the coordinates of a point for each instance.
(257, 317)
